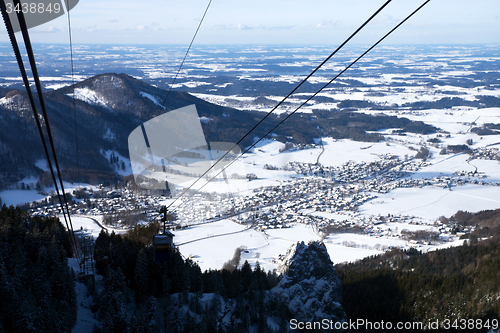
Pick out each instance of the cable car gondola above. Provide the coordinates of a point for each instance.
(163, 245)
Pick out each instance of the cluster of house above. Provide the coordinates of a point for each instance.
(485, 154)
(388, 166)
(99, 202)
(322, 196)
(337, 190)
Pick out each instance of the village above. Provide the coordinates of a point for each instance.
(325, 197)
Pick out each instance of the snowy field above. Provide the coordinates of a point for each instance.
(423, 205)
(430, 203)
(20, 197)
(86, 225)
(213, 244)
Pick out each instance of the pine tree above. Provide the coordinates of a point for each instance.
(246, 276)
(141, 280)
(112, 312)
(36, 286)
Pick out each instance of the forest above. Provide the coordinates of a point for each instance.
(136, 294)
(133, 293)
(141, 295)
(455, 283)
(36, 283)
(176, 296)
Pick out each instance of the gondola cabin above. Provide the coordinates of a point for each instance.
(163, 245)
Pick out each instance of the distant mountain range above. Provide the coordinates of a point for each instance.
(108, 107)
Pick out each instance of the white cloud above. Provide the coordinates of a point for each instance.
(91, 28)
(383, 19)
(244, 27)
(281, 27)
(49, 30)
(328, 24)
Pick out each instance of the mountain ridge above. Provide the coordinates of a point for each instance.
(126, 103)
(109, 106)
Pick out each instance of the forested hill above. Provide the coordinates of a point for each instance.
(109, 106)
(178, 297)
(137, 294)
(456, 283)
(37, 288)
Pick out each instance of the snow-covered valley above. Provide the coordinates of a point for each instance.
(362, 198)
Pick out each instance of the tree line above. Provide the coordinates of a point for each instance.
(37, 286)
(455, 283)
(176, 296)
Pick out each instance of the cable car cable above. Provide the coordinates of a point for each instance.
(189, 48)
(73, 87)
(17, 54)
(286, 97)
(14, 43)
(289, 115)
(31, 57)
(22, 69)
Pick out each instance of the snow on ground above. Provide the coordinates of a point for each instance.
(118, 168)
(339, 253)
(206, 230)
(423, 205)
(338, 152)
(365, 241)
(86, 224)
(56, 86)
(70, 187)
(429, 203)
(5, 101)
(85, 320)
(213, 244)
(489, 168)
(296, 233)
(444, 165)
(455, 121)
(154, 99)
(89, 96)
(212, 251)
(429, 248)
(19, 197)
(265, 152)
(42, 164)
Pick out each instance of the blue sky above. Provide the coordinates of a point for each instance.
(272, 22)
